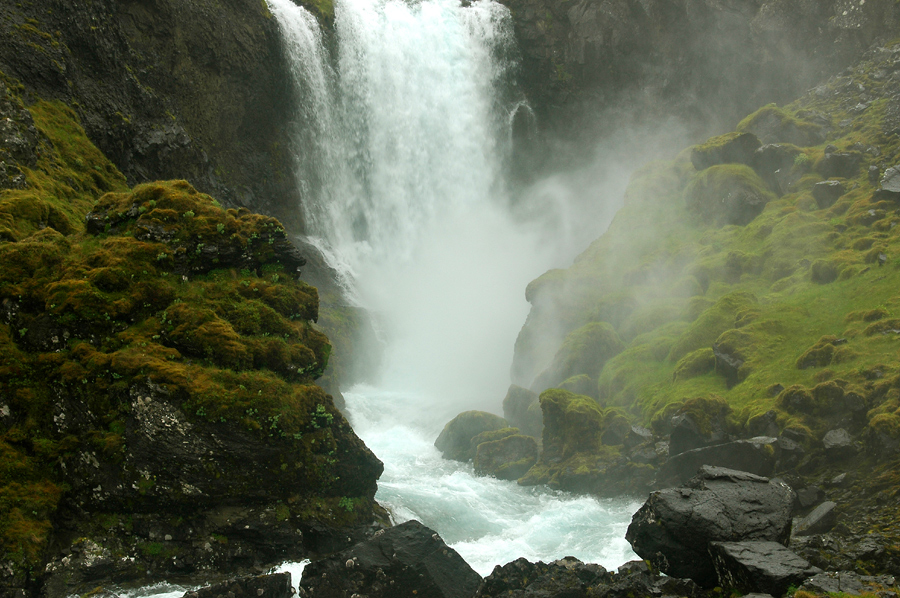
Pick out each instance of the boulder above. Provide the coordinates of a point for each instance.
(570, 578)
(728, 364)
(727, 194)
(764, 424)
(809, 496)
(674, 528)
(507, 458)
(890, 182)
(276, 585)
(455, 440)
(517, 409)
(826, 193)
(843, 165)
(838, 444)
(819, 521)
(756, 456)
(699, 423)
(637, 436)
(760, 566)
(725, 149)
(400, 562)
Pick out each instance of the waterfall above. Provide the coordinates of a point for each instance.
(403, 130)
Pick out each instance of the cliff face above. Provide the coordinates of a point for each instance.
(166, 89)
(589, 64)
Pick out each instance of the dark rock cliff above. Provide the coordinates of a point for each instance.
(166, 89)
(590, 65)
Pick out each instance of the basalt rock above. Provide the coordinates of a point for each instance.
(819, 521)
(759, 566)
(522, 409)
(675, 527)
(725, 149)
(827, 193)
(508, 458)
(405, 561)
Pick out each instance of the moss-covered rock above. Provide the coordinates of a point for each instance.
(584, 352)
(154, 390)
(455, 440)
(731, 148)
(727, 194)
(507, 458)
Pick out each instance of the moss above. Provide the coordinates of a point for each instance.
(696, 363)
(727, 194)
(819, 355)
(712, 322)
(779, 125)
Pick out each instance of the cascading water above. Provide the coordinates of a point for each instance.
(402, 133)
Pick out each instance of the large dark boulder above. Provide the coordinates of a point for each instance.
(406, 561)
(455, 440)
(276, 585)
(756, 456)
(759, 566)
(819, 521)
(675, 526)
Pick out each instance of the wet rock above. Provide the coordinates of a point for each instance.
(688, 431)
(843, 165)
(725, 149)
(455, 440)
(521, 409)
(759, 566)
(406, 560)
(756, 456)
(508, 458)
(820, 521)
(765, 424)
(773, 162)
(674, 528)
(276, 585)
(567, 576)
(826, 193)
(847, 582)
(727, 364)
(838, 444)
(809, 496)
(637, 436)
(890, 182)
(727, 194)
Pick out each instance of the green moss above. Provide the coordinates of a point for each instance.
(711, 323)
(727, 194)
(694, 364)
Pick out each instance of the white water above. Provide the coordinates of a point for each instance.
(402, 134)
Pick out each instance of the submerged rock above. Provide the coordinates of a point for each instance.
(674, 528)
(276, 585)
(405, 561)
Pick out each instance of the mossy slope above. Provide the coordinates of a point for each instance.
(791, 296)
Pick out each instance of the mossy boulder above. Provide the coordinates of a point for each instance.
(507, 458)
(455, 440)
(731, 148)
(574, 455)
(695, 363)
(772, 124)
(727, 194)
(584, 351)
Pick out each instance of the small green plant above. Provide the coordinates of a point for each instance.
(188, 214)
(346, 504)
(221, 228)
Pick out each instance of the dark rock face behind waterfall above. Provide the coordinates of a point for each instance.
(704, 63)
(167, 89)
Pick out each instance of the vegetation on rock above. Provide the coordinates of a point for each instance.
(158, 358)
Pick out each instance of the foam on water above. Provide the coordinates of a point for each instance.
(488, 521)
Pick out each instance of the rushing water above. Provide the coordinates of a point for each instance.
(402, 132)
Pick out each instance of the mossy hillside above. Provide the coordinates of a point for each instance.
(172, 306)
(766, 291)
